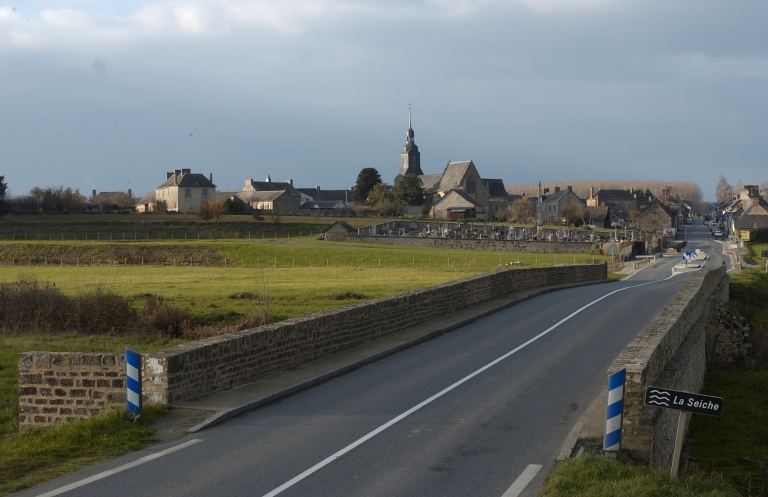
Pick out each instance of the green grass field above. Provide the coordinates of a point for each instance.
(302, 275)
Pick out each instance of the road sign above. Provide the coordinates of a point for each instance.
(684, 401)
(764, 253)
(614, 410)
(613, 249)
(687, 256)
(133, 380)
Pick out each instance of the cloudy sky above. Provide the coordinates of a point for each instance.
(109, 95)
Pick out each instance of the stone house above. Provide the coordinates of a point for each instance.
(656, 216)
(184, 190)
(552, 206)
(455, 204)
(620, 202)
(276, 201)
(498, 198)
(145, 203)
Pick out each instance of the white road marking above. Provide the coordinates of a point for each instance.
(439, 394)
(522, 481)
(118, 469)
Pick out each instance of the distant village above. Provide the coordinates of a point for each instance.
(458, 192)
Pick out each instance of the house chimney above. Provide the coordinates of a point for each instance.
(317, 188)
(591, 192)
(570, 188)
(168, 176)
(545, 191)
(93, 193)
(289, 181)
(632, 190)
(185, 171)
(210, 177)
(248, 184)
(130, 193)
(557, 189)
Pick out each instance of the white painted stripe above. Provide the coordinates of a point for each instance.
(439, 394)
(612, 448)
(613, 424)
(118, 469)
(133, 372)
(522, 481)
(615, 395)
(133, 397)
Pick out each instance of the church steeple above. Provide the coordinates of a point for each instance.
(410, 158)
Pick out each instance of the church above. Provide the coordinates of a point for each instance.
(459, 192)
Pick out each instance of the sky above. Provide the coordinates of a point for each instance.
(109, 95)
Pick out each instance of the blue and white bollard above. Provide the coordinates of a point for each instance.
(133, 380)
(614, 411)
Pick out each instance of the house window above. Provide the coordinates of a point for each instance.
(471, 185)
(188, 192)
(205, 192)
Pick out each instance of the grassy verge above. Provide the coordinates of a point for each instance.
(37, 455)
(597, 476)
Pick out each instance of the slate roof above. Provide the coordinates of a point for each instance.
(495, 187)
(658, 202)
(451, 196)
(258, 196)
(339, 226)
(453, 174)
(430, 182)
(747, 222)
(605, 195)
(188, 180)
(324, 204)
(556, 196)
(146, 199)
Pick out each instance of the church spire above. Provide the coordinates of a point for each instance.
(410, 158)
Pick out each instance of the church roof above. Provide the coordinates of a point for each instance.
(495, 187)
(430, 182)
(453, 174)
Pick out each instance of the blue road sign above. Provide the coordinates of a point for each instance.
(614, 411)
(133, 380)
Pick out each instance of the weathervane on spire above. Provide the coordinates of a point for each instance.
(409, 115)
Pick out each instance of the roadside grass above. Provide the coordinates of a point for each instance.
(12, 345)
(596, 476)
(40, 454)
(735, 445)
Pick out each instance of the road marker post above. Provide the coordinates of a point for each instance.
(133, 380)
(684, 402)
(614, 411)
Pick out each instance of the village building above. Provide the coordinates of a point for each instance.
(656, 216)
(182, 190)
(552, 206)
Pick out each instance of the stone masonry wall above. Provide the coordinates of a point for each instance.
(668, 353)
(196, 369)
(533, 247)
(63, 386)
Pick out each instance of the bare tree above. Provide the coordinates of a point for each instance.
(724, 190)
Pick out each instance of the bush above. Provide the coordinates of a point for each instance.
(28, 306)
(160, 316)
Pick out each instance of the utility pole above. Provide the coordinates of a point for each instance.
(539, 230)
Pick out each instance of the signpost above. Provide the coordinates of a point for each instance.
(133, 380)
(614, 410)
(684, 402)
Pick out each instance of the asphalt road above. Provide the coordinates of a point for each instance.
(428, 421)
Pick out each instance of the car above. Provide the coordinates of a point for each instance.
(717, 234)
(689, 221)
